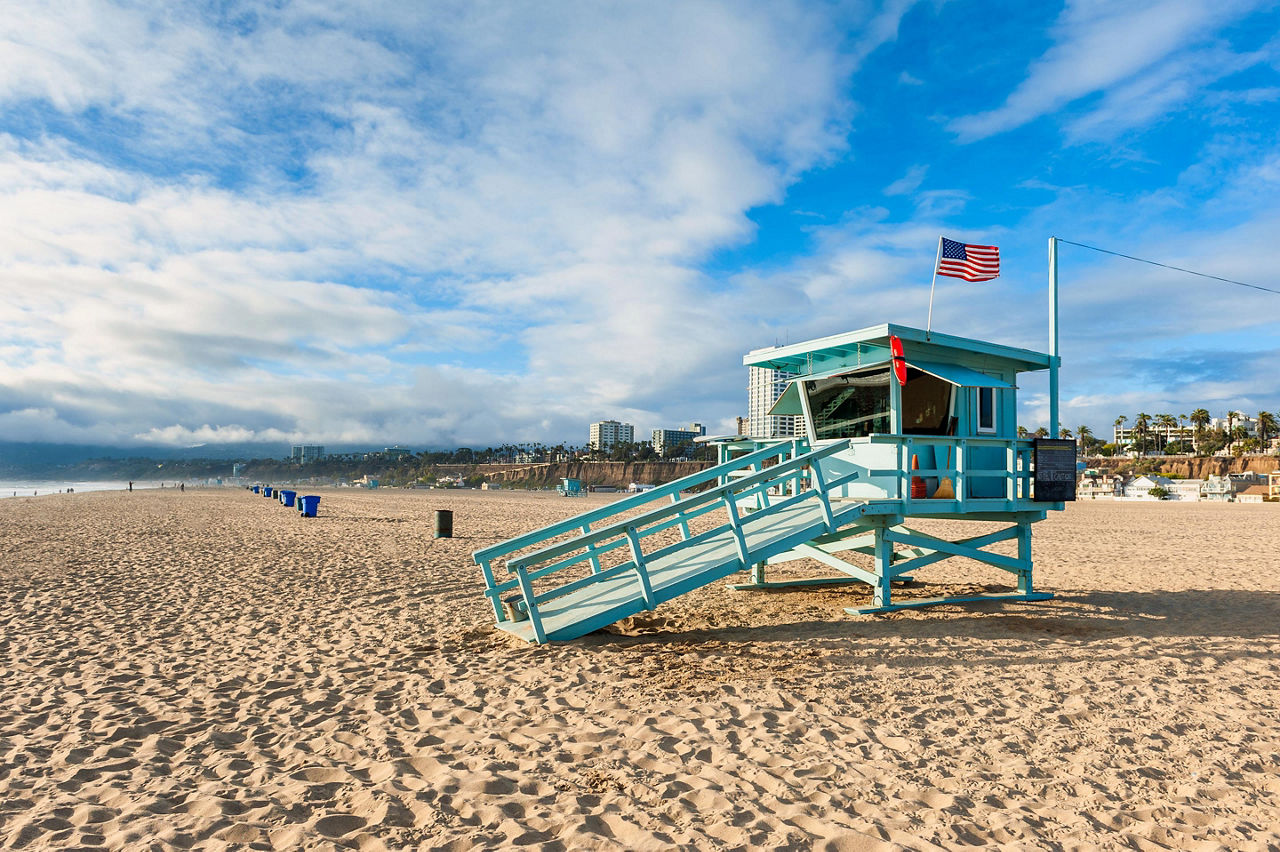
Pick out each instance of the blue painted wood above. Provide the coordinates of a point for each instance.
(923, 602)
(714, 496)
(952, 548)
(622, 506)
(613, 596)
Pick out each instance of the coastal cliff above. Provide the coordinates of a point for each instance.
(616, 474)
(1190, 467)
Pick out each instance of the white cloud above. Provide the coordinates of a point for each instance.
(1143, 56)
(909, 182)
(340, 223)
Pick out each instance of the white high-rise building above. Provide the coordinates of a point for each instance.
(607, 433)
(764, 386)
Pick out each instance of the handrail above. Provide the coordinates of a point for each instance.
(710, 495)
(626, 504)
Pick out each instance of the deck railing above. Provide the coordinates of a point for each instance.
(953, 461)
(743, 483)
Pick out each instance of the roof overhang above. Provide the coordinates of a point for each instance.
(871, 345)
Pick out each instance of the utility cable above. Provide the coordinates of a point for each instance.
(1168, 266)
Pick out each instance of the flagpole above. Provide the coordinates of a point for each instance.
(929, 325)
(1053, 337)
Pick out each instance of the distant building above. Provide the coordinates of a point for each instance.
(1095, 484)
(1185, 489)
(764, 386)
(396, 452)
(1140, 488)
(743, 425)
(306, 453)
(1253, 494)
(671, 442)
(607, 434)
(237, 469)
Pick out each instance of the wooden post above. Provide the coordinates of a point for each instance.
(1024, 555)
(646, 590)
(880, 593)
(535, 620)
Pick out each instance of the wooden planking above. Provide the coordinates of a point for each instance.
(618, 595)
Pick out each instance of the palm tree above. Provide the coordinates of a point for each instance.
(1042, 432)
(1199, 419)
(1022, 433)
(1119, 424)
(1084, 434)
(1266, 426)
(1064, 432)
(1168, 422)
(1141, 424)
(1239, 434)
(1232, 417)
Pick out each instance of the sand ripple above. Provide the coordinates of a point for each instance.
(207, 670)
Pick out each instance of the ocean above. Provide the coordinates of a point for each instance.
(41, 487)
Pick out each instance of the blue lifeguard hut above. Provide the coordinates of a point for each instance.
(899, 424)
(570, 487)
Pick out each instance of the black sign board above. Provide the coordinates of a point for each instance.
(1055, 462)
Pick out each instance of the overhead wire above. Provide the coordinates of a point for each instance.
(1170, 266)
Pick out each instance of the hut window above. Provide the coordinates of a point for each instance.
(926, 404)
(987, 410)
(850, 406)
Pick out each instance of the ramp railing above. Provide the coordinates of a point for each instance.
(737, 486)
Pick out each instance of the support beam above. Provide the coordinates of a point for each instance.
(1006, 563)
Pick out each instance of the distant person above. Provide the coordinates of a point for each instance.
(130, 486)
(182, 487)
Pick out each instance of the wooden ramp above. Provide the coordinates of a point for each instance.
(680, 569)
(772, 500)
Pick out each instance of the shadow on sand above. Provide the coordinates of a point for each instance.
(1087, 618)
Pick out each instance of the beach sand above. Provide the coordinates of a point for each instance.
(207, 669)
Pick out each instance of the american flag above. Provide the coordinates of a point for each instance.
(972, 263)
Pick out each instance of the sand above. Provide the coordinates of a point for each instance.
(208, 670)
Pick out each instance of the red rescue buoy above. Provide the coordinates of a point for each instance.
(899, 362)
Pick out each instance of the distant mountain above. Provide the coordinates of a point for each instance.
(52, 461)
(32, 459)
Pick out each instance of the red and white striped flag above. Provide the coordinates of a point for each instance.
(972, 263)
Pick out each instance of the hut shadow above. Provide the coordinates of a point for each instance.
(1086, 618)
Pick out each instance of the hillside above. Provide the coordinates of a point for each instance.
(1189, 467)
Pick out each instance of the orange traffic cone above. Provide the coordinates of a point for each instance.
(918, 489)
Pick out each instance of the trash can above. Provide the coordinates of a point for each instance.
(287, 497)
(308, 504)
(257, 489)
(266, 490)
(443, 524)
(515, 609)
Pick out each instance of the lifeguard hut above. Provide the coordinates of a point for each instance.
(570, 487)
(899, 424)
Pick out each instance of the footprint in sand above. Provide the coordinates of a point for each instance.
(336, 825)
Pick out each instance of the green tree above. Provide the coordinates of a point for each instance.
(1120, 421)
(1266, 426)
(1064, 432)
(1141, 426)
(1200, 420)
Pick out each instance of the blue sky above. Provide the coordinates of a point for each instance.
(473, 223)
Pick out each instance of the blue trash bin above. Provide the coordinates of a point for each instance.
(308, 504)
(266, 490)
(287, 497)
(257, 489)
